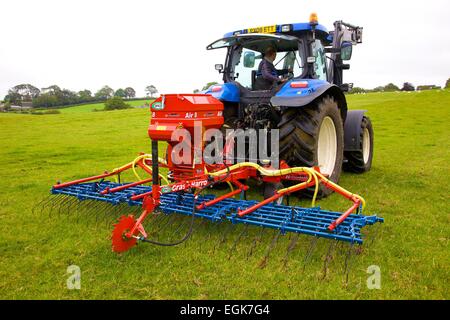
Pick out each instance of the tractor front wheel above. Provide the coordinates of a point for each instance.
(311, 136)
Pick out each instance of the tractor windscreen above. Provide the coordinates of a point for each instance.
(247, 52)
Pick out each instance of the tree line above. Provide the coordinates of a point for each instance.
(54, 96)
(407, 86)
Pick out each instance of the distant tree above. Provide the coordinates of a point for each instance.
(407, 86)
(68, 97)
(209, 84)
(116, 103)
(53, 90)
(428, 87)
(85, 95)
(120, 93)
(358, 90)
(151, 90)
(22, 92)
(196, 91)
(378, 89)
(46, 100)
(6, 106)
(104, 93)
(130, 92)
(447, 84)
(13, 97)
(391, 87)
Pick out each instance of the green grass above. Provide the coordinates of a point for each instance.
(408, 186)
(99, 106)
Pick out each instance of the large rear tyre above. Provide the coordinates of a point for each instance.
(361, 161)
(314, 136)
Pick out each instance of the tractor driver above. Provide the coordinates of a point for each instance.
(268, 76)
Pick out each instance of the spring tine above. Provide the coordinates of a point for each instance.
(373, 236)
(41, 203)
(237, 240)
(102, 213)
(263, 262)
(180, 226)
(46, 205)
(224, 236)
(56, 203)
(92, 208)
(66, 204)
(290, 248)
(71, 204)
(328, 257)
(347, 263)
(172, 219)
(164, 224)
(256, 240)
(159, 223)
(212, 230)
(310, 250)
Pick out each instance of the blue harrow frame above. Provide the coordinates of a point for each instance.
(310, 221)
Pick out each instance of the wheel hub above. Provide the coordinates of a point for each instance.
(327, 146)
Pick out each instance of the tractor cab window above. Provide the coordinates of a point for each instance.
(320, 66)
(248, 60)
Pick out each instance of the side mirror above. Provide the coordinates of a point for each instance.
(249, 59)
(346, 51)
(218, 67)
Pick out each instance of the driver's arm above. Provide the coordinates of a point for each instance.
(282, 72)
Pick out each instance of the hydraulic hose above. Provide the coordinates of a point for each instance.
(313, 174)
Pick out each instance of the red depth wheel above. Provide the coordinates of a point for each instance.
(120, 242)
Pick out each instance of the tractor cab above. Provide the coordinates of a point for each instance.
(247, 51)
(301, 50)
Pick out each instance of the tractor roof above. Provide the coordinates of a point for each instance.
(291, 29)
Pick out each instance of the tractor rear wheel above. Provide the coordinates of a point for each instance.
(360, 161)
(314, 136)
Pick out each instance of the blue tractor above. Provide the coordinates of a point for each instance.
(307, 104)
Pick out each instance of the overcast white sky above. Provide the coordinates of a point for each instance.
(80, 44)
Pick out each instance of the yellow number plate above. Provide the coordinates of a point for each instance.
(266, 29)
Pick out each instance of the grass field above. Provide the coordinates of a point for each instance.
(98, 106)
(408, 186)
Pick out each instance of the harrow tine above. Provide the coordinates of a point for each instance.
(41, 203)
(237, 240)
(312, 246)
(224, 237)
(57, 203)
(257, 239)
(328, 258)
(47, 206)
(75, 203)
(372, 237)
(156, 223)
(290, 248)
(197, 224)
(66, 204)
(63, 204)
(263, 262)
(171, 220)
(91, 208)
(164, 223)
(103, 212)
(180, 227)
(347, 262)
